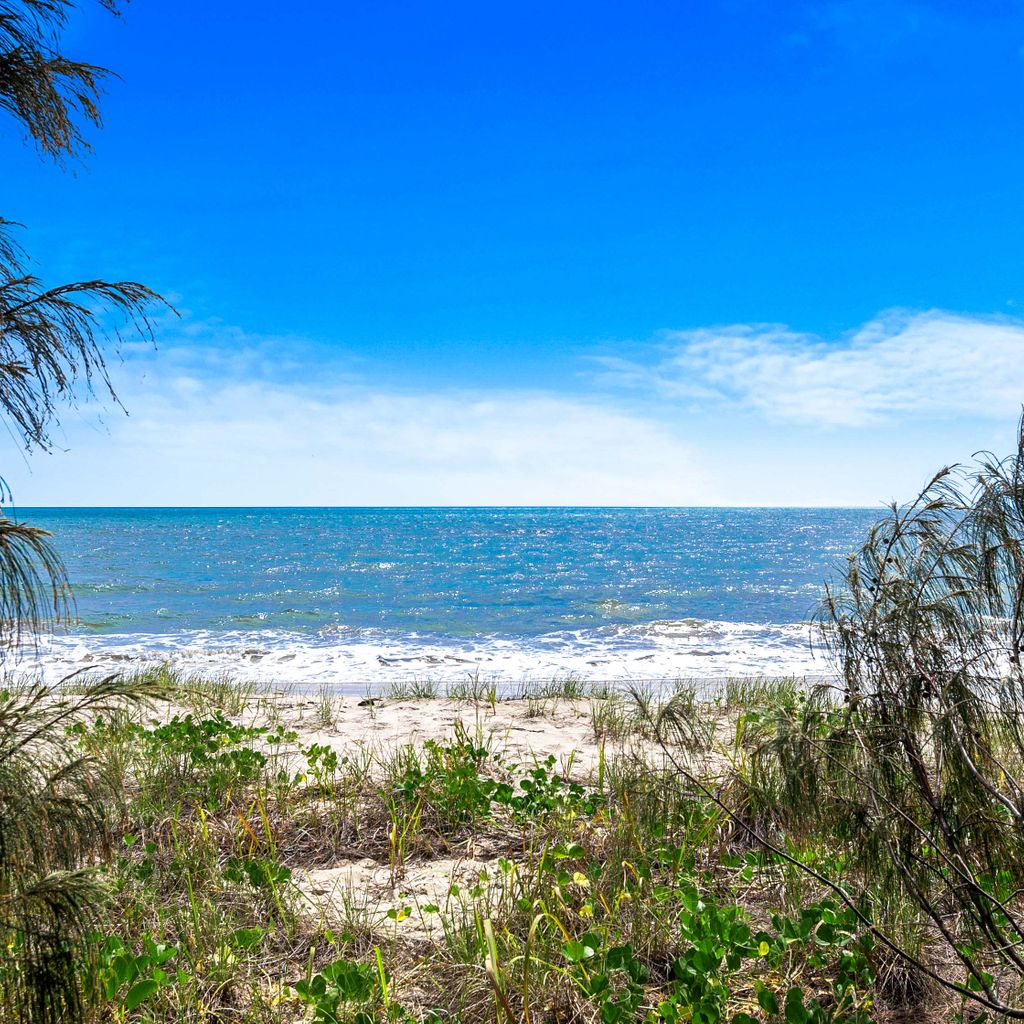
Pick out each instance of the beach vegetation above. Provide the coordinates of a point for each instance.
(415, 688)
(613, 890)
(709, 863)
(57, 804)
(906, 771)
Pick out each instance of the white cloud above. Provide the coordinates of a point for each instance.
(234, 419)
(898, 366)
(194, 438)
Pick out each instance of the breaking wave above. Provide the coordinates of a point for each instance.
(357, 659)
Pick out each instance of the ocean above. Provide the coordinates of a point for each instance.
(358, 598)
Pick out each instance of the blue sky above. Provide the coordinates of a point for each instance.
(656, 253)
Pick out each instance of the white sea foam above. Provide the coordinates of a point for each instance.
(354, 660)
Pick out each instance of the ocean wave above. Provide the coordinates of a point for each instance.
(355, 659)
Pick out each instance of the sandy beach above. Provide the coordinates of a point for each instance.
(522, 732)
(572, 735)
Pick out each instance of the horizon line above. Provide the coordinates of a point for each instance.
(141, 508)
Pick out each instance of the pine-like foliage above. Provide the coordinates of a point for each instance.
(53, 808)
(48, 93)
(52, 339)
(52, 346)
(926, 626)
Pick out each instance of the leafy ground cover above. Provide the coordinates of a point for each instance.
(493, 883)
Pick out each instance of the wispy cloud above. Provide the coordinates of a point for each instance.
(209, 348)
(220, 426)
(898, 366)
(223, 417)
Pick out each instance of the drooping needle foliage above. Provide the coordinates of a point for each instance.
(52, 338)
(53, 809)
(53, 341)
(927, 628)
(917, 771)
(48, 93)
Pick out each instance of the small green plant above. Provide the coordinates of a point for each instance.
(265, 877)
(610, 977)
(128, 979)
(450, 788)
(543, 792)
(202, 761)
(342, 992)
(325, 708)
(139, 868)
(448, 781)
(349, 992)
(716, 940)
(831, 940)
(264, 874)
(322, 761)
(413, 689)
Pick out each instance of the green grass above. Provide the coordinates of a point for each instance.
(622, 894)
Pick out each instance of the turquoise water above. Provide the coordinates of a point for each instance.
(332, 594)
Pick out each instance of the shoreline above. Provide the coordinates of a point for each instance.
(474, 688)
(351, 660)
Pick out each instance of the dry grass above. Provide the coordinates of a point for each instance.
(268, 839)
